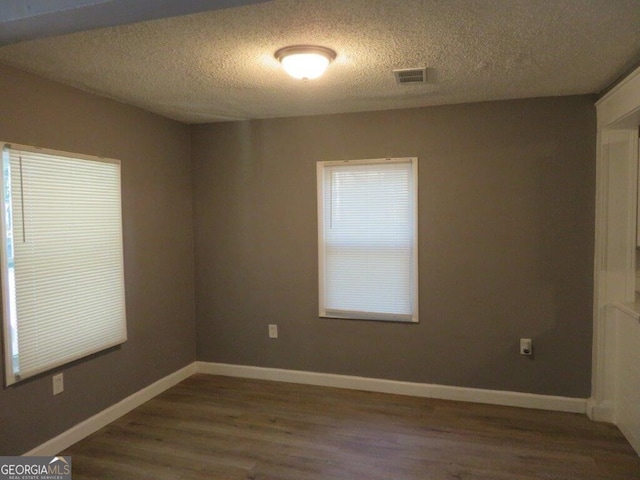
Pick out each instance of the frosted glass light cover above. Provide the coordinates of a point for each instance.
(305, 66)
(305, 62)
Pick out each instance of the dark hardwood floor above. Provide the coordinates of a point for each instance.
(211, 427)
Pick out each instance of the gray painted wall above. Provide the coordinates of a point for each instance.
(158, 251)
(506, 246)
(506, 229)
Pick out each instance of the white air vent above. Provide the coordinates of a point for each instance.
(410, 75)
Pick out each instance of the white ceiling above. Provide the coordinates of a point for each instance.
(219, 65)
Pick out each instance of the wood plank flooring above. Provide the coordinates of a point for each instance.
(220, 428)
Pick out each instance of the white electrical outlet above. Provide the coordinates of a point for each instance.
(273, 330)
(526, 347)
(58, 384)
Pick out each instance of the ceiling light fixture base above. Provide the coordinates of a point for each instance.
(305, 62)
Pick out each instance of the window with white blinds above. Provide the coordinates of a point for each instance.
(62, 263)
(367, 237)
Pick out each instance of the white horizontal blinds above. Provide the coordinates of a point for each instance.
(368, 240)
(69, 277)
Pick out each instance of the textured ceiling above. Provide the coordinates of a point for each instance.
(219, 65)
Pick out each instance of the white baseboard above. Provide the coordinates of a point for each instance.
(495, 397)
(99, 420)
(633, 437)
(601, 411)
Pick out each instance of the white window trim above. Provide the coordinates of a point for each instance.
(325, 313)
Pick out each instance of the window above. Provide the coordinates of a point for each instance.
(62, 265)
(367, 238)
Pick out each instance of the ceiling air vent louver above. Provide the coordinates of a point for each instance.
(410, 75)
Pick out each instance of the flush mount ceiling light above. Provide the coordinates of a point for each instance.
(305, 62)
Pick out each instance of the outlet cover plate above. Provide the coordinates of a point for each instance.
(58, 384)
(273, 330)
(526, 346)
